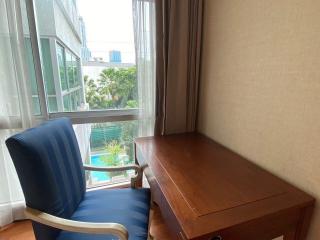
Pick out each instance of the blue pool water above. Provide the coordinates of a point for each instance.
(99, 176)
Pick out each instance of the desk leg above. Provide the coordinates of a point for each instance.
(289, 236)
(301, 230)
(139, 181)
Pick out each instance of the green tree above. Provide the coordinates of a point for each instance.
(114, 149)
(132, 104)
(112, 159)
(94, 98)
(115, 88)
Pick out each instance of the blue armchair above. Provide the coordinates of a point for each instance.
(52, 176)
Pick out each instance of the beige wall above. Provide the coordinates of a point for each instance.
(260, 89)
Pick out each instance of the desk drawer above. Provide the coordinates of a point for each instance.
(266, 228)
(165, 209)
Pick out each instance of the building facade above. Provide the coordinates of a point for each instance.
(85, 51)
(60, 36)
(61, 43)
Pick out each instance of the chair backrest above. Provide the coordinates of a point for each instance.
(48, 162)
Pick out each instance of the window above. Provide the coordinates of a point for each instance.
(76, 70)
(66, 103)
(48, 75)
(52, 104)
(62, 67)
(88, 78)
(32, 77)
(69, 65)
(78, 66)
(70, 78)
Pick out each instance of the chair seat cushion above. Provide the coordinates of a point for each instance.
(129, 207)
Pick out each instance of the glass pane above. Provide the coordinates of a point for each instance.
(66, 103)
(47, 67)
(108, 54)
(74, 101)
(75, 72)
(52, 104)
(35, 105)
(81, 53)
(69, 65)
(59, 30)
(62, 67)
(107, 144)
(32, 77)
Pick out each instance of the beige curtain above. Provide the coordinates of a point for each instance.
(15, 104)
(144, 36)
(179, 30)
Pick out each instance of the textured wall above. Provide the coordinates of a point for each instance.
(260, 89)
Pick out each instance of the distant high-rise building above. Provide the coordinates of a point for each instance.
(115, 56)
(85, 52)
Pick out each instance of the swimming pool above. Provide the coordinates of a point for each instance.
(105, 177)
(99, 176)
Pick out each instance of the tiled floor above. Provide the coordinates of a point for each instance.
(23, 230)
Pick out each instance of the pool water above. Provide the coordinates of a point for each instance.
(99, 176)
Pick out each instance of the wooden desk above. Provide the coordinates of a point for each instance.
(206, 191)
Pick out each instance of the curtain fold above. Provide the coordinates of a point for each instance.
(144, 36)
(178, 50)
(14, 93)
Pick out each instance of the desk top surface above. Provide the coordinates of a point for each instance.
(209, 187)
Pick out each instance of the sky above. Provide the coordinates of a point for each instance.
(109, 26)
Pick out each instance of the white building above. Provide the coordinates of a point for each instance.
(94, 68)
(85, 51)
(60, 34)
(61, 44)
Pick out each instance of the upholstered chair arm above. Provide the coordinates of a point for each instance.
(135, 167)
(75, 226)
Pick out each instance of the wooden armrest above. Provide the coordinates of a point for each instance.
(75, 226)
(135, 167)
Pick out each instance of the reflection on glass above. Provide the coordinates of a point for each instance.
(32, 77)
(66, 103)
(62, 67)
(69, 69)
